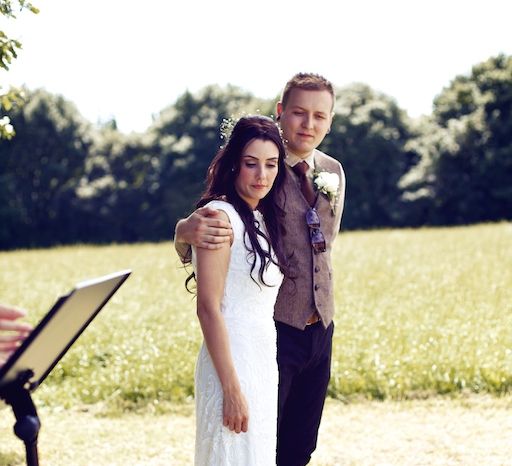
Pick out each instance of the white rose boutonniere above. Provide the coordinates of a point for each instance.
(328, 184)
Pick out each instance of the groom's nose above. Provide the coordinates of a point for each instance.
(307, 121)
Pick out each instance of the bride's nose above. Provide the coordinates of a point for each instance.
(262, 173)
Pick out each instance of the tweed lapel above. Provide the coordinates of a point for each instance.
(322, 164)
(319, 167)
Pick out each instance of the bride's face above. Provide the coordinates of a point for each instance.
(258, 170)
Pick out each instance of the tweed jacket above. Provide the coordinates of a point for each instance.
(311, 288)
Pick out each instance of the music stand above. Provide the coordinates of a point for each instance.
(35, 358)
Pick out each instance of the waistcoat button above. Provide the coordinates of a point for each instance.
(316, 287)
(317, 269)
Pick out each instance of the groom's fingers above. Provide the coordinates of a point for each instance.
(216, 235)
(206, 212)
(215, 222)
(213, 242)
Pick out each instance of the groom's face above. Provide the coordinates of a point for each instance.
(305, 120)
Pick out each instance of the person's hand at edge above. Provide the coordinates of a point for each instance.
(12, 332)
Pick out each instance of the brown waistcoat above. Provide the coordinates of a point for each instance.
(312, 288)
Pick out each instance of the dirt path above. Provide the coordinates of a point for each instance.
(436, 432)
(474, 431)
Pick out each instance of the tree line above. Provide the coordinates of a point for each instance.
(64, 180)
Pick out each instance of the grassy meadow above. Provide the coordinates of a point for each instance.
(419, 312)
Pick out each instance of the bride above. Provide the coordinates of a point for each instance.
(236, 374)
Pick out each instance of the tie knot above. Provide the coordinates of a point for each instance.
(301, 168)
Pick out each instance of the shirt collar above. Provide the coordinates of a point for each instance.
(292, 160)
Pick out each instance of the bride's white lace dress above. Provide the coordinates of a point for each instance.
(248, 312)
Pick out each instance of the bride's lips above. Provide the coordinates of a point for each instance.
(304, 135)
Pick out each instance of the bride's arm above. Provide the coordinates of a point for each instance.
(212, 269)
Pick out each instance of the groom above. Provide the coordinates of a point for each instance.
(305, 305)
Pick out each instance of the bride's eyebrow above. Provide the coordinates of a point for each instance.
(248, 156)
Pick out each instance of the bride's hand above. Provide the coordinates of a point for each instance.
(235, 411)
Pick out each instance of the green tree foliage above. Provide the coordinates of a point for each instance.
(9, 47)
(465, 173)
(368, 136)
(40, 169)
(8, 52)
(136, 187)
(63, 181)
(116, 195)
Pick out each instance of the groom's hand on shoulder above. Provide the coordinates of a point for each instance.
(206, 228)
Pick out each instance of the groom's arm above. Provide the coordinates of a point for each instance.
(182, 247)
(204, 228)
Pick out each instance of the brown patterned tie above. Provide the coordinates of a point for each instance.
(306, 186)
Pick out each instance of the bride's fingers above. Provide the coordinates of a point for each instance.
(234, 424)
(231, 424)
(227, 421)
(245, 424)
(238, 426)
(241, 424)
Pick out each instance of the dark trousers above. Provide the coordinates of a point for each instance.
(304, 360)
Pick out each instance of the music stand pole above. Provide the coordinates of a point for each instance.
(27, 422)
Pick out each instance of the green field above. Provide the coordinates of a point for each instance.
(419, 312)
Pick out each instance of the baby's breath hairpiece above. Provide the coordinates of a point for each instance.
(226, 127)
(227, 124)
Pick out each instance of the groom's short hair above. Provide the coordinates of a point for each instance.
(307, 82)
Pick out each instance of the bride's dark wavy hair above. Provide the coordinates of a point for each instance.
(220, 185)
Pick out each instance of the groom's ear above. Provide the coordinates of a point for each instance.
(279, 110)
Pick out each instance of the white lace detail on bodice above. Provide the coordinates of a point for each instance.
(248, 309)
